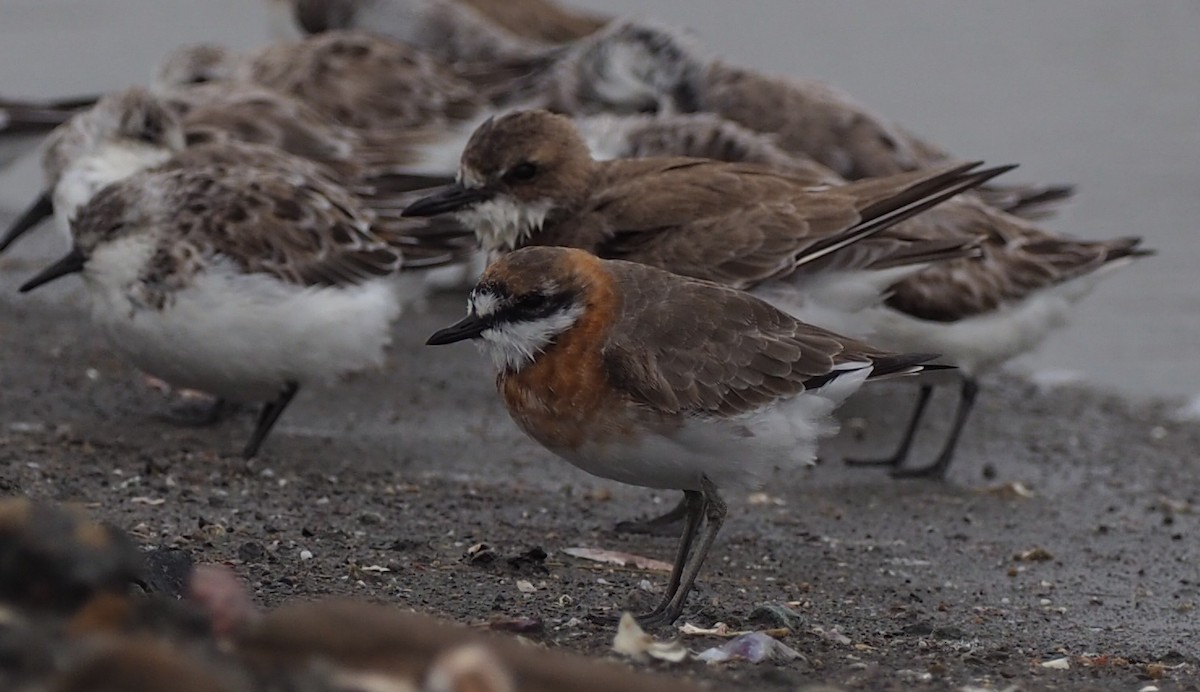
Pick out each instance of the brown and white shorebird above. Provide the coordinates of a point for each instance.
(823, 251)
(637, 66)
(205, 267)
(645, 377)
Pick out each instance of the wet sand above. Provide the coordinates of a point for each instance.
(919, 581)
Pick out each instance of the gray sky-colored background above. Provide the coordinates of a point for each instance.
(1104, 93)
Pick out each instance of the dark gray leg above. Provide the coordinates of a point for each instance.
(271, 411)
(714, 511)
(966, 401)
(658, 526)
(901, 453)
(694, 503)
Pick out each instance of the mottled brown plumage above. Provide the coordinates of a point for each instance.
(295, 227)
(358, 78)
(224, 111)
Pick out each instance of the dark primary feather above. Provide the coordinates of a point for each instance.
(685, 346)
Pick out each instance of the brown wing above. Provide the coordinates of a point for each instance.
(1008, 270)
(298, 228)
(680, 345)
(735, 223)
(365, 81)
(741, 224)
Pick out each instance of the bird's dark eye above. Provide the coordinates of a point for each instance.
(522, 171)
(199, 79)
(534, 301)
(150, 130)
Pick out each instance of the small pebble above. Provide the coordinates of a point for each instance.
(306, 555)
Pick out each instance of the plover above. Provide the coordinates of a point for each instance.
(632, 66)
(645, 377)
(527, 178)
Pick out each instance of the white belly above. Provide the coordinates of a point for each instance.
(243, 337)
(986, 341)
(732, 453)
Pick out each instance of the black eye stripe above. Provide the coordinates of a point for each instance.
(535, 306)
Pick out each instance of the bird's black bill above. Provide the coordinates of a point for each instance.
(448, 199)
(41, 209)
(468, 327)
(71, 263)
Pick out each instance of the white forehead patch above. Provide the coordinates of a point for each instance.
(469, 177)
(483, 303)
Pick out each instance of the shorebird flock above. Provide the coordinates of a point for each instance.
(689, 264)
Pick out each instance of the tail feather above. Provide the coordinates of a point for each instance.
(885, 367)
(1027, 201)
(901, 364)
(1119, 248)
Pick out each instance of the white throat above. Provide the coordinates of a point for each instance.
(502, 223)
(513, 345)
(115, 266)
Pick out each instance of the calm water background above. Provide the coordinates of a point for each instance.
(1103, 93)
